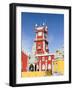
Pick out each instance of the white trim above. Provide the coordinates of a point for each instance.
(39, 28)
(40, 65)
(46, 54)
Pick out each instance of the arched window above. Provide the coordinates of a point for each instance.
(31, 67)
(43, 58)
(49, 58)
(43, 67)
(39, 46)
(49, 66)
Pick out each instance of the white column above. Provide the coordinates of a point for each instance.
(40, 66)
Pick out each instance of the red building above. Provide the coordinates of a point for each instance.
(44, 61)
(24, 62)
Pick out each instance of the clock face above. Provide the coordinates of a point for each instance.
(39, 33)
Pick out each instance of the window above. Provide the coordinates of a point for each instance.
(39, 33)
(49, 66)
(46, 61)
(42, 58)
(49, 58)
(45, 35)
(39, 46)
(43, 67)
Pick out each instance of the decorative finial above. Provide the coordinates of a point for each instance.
(36, 25)
(43, 23)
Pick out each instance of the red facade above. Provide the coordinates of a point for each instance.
(42, 52)
(24, 62)
(45, 61)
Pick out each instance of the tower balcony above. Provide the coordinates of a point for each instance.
(41, 39)
(41, 30)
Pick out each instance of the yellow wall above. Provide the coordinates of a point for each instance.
(58, 66)
(36, 74)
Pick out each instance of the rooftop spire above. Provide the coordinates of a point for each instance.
(36, 25)
(43, 23)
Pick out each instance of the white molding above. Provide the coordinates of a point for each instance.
(44, 54)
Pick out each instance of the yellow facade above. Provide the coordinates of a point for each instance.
(35, 74)
(58, 66)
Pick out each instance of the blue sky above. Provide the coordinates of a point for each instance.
(55, 23)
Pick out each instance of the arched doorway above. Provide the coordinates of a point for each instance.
(31, 67)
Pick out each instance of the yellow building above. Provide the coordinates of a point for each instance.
(58, 66)
(58, 63)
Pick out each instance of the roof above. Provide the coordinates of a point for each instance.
(41, 27)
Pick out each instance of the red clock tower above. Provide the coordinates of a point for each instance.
(44, 59)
